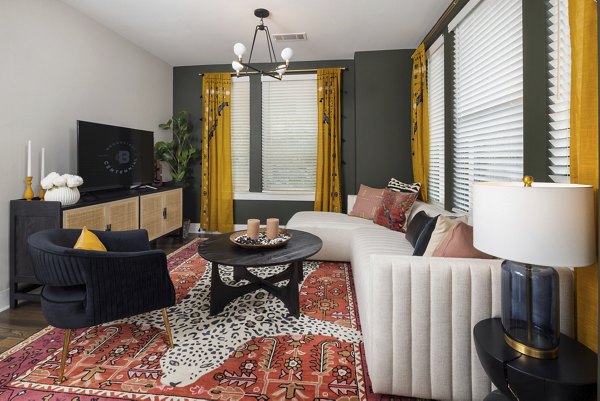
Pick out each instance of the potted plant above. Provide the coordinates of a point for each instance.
(179, 152)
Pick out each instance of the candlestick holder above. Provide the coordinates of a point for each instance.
(28, 195)
(41, 193)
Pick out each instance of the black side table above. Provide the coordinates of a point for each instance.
(571, 376)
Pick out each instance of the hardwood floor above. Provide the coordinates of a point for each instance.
(18, 324)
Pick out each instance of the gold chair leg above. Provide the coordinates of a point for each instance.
(168, 327)
(65, 351)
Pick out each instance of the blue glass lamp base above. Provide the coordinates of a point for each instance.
(530, 309)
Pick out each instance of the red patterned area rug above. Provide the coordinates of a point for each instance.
(251, 351)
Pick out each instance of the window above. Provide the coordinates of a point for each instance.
(289, 133)
(240, 133)
(435, 86)
(488, 79)
(559, 90)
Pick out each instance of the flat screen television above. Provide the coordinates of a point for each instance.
(110, 157)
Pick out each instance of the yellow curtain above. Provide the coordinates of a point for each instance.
(584, 147)
(420, 124)
(328, 192)
(216, 200)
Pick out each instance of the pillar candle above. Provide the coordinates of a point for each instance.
(252, 230)
(272, 228)
(29, 158)
(42, 168)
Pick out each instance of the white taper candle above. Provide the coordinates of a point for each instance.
(29, 158)
(42, 175)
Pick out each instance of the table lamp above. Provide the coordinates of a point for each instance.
(533, 226)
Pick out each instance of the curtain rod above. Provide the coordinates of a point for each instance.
(441, 20)
(299, 70)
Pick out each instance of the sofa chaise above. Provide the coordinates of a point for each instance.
(417, 313)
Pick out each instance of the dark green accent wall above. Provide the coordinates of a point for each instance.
(375, 133)
(187, 89)
(535, 91)
(383, 118)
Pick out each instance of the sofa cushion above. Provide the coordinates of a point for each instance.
(458, 243)
(366, 242)
(399, 186)
(424, 237)
(442, 226)
(394, 209)
(335, 230)
(367, 201)
(415, 226)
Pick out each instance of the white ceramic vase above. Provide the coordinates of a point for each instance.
(65, 195)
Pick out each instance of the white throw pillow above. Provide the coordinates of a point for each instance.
(443, 225)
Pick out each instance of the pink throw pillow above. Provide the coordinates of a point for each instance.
(458, 243)
(367, 200)
(394, 208)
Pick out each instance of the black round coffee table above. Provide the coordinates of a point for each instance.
(222, 252)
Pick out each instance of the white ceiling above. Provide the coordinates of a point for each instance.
(190, 32)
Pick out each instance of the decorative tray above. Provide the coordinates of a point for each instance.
(240, 239)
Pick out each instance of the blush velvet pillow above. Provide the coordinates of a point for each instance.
(367, 200)
(458, 243)
(442, 226)
(393, 209)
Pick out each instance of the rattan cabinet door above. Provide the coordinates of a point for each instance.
(123, 214)
(151, 216)
(173, 213)
(93, 217)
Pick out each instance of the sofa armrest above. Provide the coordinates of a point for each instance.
(422, 310)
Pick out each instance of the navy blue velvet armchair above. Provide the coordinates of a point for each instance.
(87, 288)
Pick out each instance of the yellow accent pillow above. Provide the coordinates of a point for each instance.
(89, 241)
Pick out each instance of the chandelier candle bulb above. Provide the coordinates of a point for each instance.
(272, 228)
(252, 230)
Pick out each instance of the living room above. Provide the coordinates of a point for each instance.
(400, 111)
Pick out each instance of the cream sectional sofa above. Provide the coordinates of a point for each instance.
(417, 313)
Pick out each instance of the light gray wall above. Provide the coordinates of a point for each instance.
(58, 66)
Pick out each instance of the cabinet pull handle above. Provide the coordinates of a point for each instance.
(164, 213)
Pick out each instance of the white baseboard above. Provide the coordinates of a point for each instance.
(4, 299)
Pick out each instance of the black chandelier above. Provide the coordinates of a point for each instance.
(239, 49)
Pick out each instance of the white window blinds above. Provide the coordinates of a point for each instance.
(488, 80)
(435, 86)
(289, 133)
(240, 133)
(559, 90)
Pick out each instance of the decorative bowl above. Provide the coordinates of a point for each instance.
(65, 195)
(240, 239)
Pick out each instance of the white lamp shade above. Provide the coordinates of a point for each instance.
(546, 224)
(287, 54)
(237, 66)
(239, 49)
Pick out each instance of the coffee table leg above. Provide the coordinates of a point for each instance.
(293, 303)
(215, 284)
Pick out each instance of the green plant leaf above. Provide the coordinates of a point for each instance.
(179, 151)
